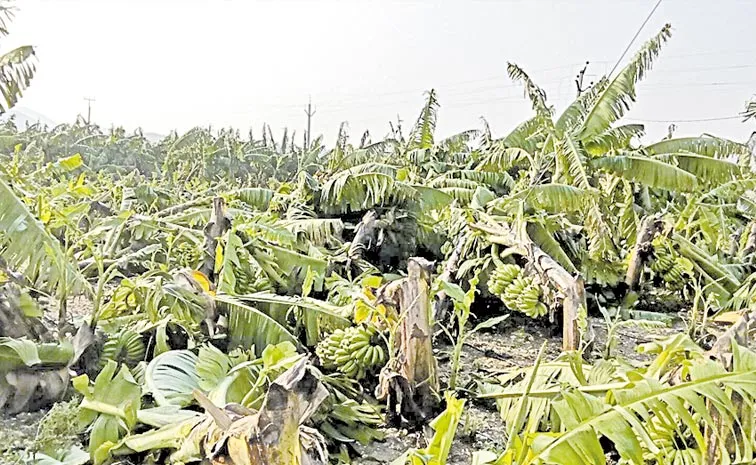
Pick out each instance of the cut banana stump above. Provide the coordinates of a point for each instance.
(351, 351)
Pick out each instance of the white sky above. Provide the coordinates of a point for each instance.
(165, 64)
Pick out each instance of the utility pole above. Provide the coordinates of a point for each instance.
(310, 113)
(89, 109)
(579, 79)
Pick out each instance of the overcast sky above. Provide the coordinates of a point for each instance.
(163, 64)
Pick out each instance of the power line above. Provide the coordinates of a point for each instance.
(340, 107)
(711, 52)
(635, 37)
(697, 120)
(705, 68)
(457, 88)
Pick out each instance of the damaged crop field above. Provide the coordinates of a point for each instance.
(560, 294)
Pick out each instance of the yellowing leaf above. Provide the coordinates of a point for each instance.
(361, 311)
(368, 293)
(309, 280)
(70, 163)
(727, 317)
(204, 283)
(218, 257)
(372, 281)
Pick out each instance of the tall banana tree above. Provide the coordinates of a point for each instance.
(607, 172)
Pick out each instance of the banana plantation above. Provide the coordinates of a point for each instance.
(559, 295)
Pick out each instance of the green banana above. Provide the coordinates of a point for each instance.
(351, 351)
(126, 347)
(501, 277)
(518, 291)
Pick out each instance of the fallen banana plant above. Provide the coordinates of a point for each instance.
(571, 287)
(273, 435)
(647, 415)
(34, 375)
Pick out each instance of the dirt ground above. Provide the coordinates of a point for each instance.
(514, 343)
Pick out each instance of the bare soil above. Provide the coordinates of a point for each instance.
(513, 344)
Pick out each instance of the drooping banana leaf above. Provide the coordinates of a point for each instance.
(703, 167)
(28, 247)
(712, 147)
(649, 172)
(257, 197)
(171, 376)
(617, 96)
(17, 68)
(249, 327)
(545, 240)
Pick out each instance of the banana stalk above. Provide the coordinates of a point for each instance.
(409, 382)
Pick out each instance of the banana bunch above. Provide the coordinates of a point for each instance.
(186, 255)
(247, 279)
(502, 277)
(669, 266)
(518, 292)
(344, 419)
(523, 295)
(125, 347)
(350, 351)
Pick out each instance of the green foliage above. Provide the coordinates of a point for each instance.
(26, 244)
(79, 203)
(622, 407)
(109, 408)
(651, 172)
(171, 377)
(620, 92)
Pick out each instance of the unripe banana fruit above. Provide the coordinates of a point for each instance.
(501, 277)
(125, 347)
(351, 351)
(517, 291)
(669, 266)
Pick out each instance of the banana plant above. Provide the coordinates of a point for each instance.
(660, 412)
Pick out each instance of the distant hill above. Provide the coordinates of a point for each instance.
(153, 137)
(23, 116)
